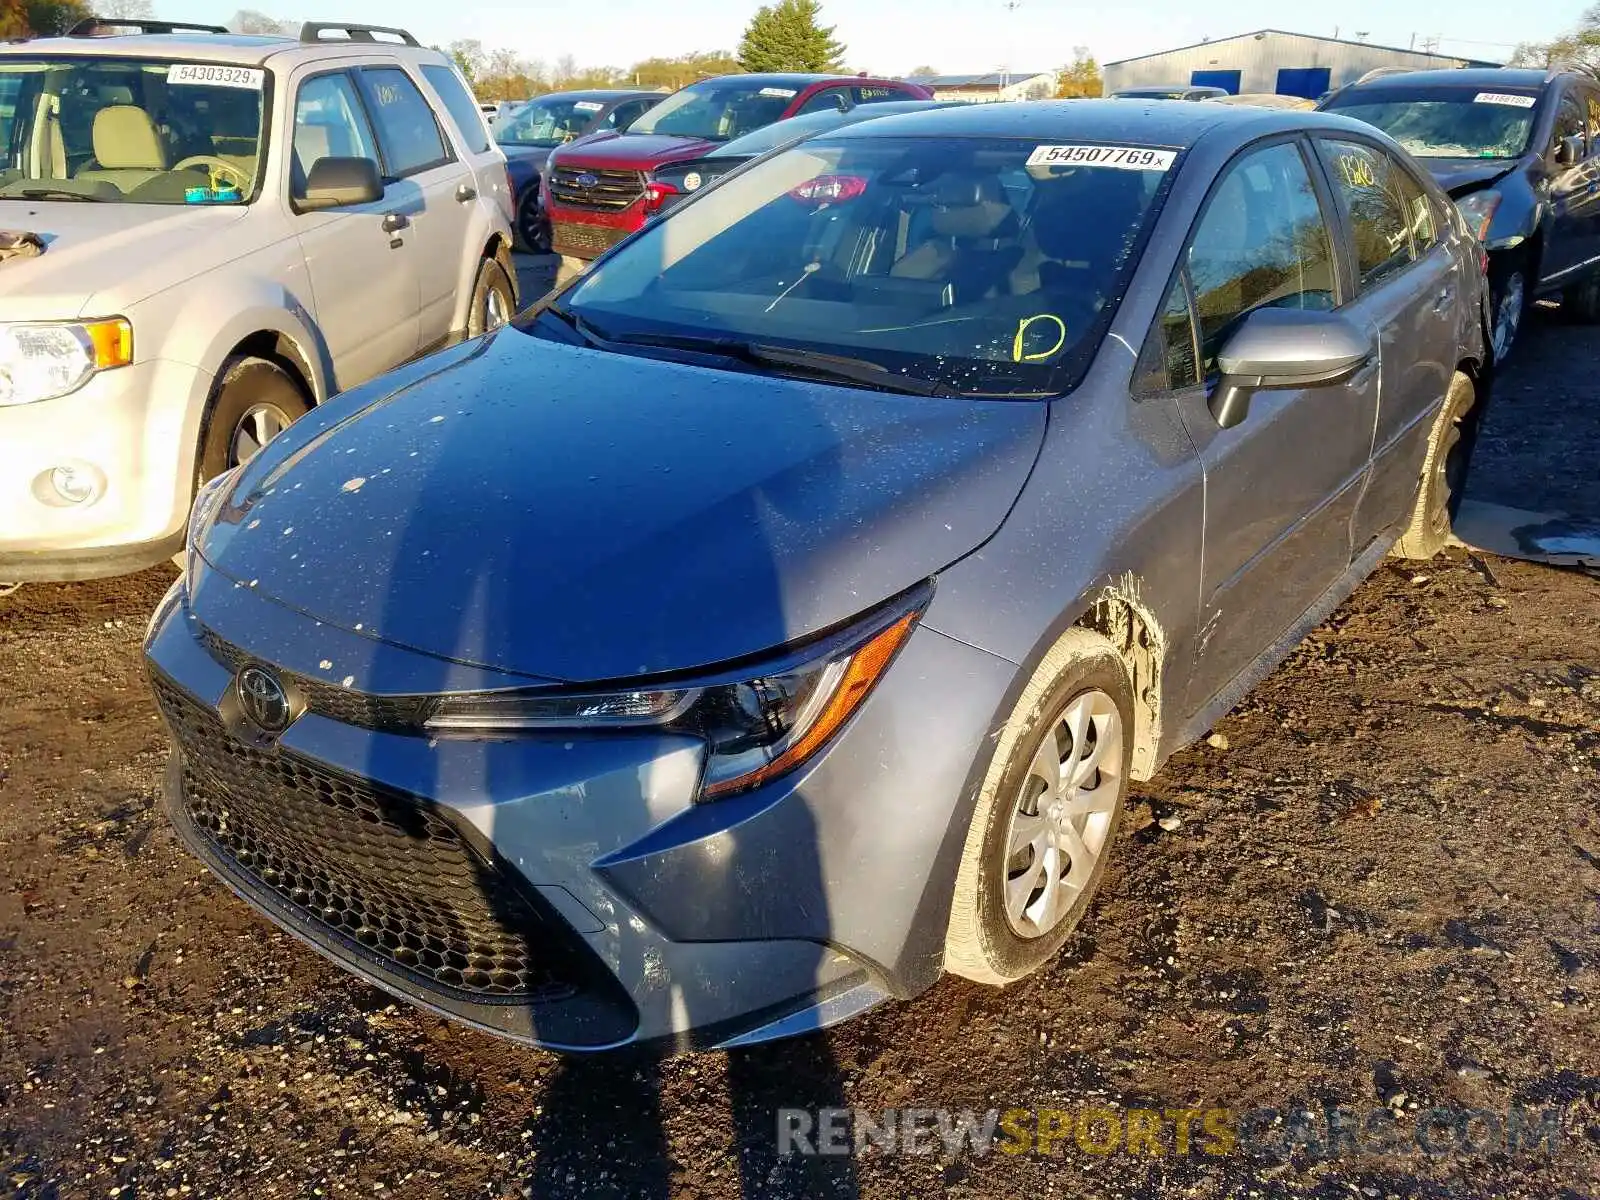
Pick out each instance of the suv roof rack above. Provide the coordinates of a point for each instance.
(96, 26)
(312, 31)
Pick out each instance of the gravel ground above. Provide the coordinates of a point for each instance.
(1377, 887)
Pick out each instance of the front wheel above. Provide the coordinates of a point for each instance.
(1581, 302)
(1443, 475)
(1046, 816)
(1508, 296)
(493, 301)
(255, 401)
(533, 227)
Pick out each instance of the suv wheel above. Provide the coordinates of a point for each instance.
(1508, 294)
(256, 400)
(533, 227)
(1443, 474)
(493, 301)
(1046, 816)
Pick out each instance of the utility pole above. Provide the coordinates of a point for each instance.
(1011, 7)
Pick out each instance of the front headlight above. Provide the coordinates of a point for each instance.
(1478, 211)
(43, 361)
(755, 729)
(206, 503)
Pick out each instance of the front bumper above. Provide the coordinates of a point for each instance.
(567, 891)
(579, 233)
(134, 429)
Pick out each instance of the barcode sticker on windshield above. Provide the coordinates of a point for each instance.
(216, 75)
(775, 91)
(1509, 99)
(1125, 158)
(588, 105)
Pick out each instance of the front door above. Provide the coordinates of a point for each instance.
(1280, 486)
(1408, 286)
(438, 190)
(362, 260)
(1574, 195)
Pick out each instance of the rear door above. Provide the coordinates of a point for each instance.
(1281, 485)
(436, 189)
(1408, 285)
(362, 260)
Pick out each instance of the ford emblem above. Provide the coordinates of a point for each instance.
(587, 180)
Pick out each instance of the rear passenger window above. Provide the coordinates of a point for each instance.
(1390, 215)
(407, 132)
(878, 95)
(463, 109)
(1263, 243)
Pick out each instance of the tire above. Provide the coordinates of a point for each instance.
(254, 401)
(986, 941)
(1442, 470)
(533, 227)
(1581, 303)
(1509, 298)
(494, 301)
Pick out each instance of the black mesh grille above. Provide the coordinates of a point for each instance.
(388, 871)
(609, 191)
(583, 241)
(395, 714)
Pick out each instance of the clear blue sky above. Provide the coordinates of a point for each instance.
(895, 35)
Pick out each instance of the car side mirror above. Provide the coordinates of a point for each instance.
(339, 183)
(1283, 348)
(1569, 150)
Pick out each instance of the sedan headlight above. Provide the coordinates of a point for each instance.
(43, 361)
(1478, 210)
(206, 503)
(755, 729)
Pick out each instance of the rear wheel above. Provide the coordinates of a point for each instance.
(1443, 475)
(255, 401)
(1046, 816)
(493, 301)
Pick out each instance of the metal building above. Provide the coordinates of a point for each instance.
(1008, 85)
(1270, 60)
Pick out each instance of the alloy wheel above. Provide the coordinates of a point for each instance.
(1508, 314)
(258, 426)
(1062, 815)
(496, 310)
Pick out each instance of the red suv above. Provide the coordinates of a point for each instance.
(598, 190)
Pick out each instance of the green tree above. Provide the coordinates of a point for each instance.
(684, 69)
(13, 19)
(788, 36)
(1081, 77)
(47, 17)
(1580, 46)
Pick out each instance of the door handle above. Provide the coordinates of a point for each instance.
(394, 222)
(466, 193)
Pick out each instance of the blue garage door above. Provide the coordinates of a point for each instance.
(1309, 82)
(1226, 80)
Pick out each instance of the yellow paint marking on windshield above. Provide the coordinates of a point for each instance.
(1022, 331)
(1357, 171)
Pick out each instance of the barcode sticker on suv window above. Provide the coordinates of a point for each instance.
(1510, 99)
(216, 75)
(1125, 158)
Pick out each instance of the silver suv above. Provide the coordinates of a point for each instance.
(206, 235)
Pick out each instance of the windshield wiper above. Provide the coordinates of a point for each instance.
(48, 194)
(811, 363)
(590, 335)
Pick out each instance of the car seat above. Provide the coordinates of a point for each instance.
(972, 243)
(1078, 232)
(128, 149)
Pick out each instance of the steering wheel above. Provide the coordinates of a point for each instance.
(240, 176)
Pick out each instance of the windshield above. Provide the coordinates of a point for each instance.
(1459, 124)
(988, 266)
(717, 110)
(130, 130)
(547, 122)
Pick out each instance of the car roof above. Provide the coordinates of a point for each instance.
(1465, 77)
(791, 78)
(1135, 122)
(595, 94)
(232, 48)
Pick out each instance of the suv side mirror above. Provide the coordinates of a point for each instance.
(1283, 348)
(340, 182)
(1569, 150)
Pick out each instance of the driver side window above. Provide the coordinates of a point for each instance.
(1263, 242)
(329, 122)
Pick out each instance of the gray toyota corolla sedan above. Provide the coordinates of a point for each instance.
(776, 618)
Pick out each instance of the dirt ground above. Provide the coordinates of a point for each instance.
(1379, 889)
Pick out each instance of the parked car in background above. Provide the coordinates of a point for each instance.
(596, 193)
(225, 231)
(914, 490)
(1170, 93)
(678, 181)
(1519, 151)
(1263, 100)
(529, 132)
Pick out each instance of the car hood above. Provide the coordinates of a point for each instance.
(1458, 175)
(571, 514)
(639, 151)
(99, 259)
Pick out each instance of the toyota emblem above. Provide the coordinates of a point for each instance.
(262, 699)
(587, 180)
